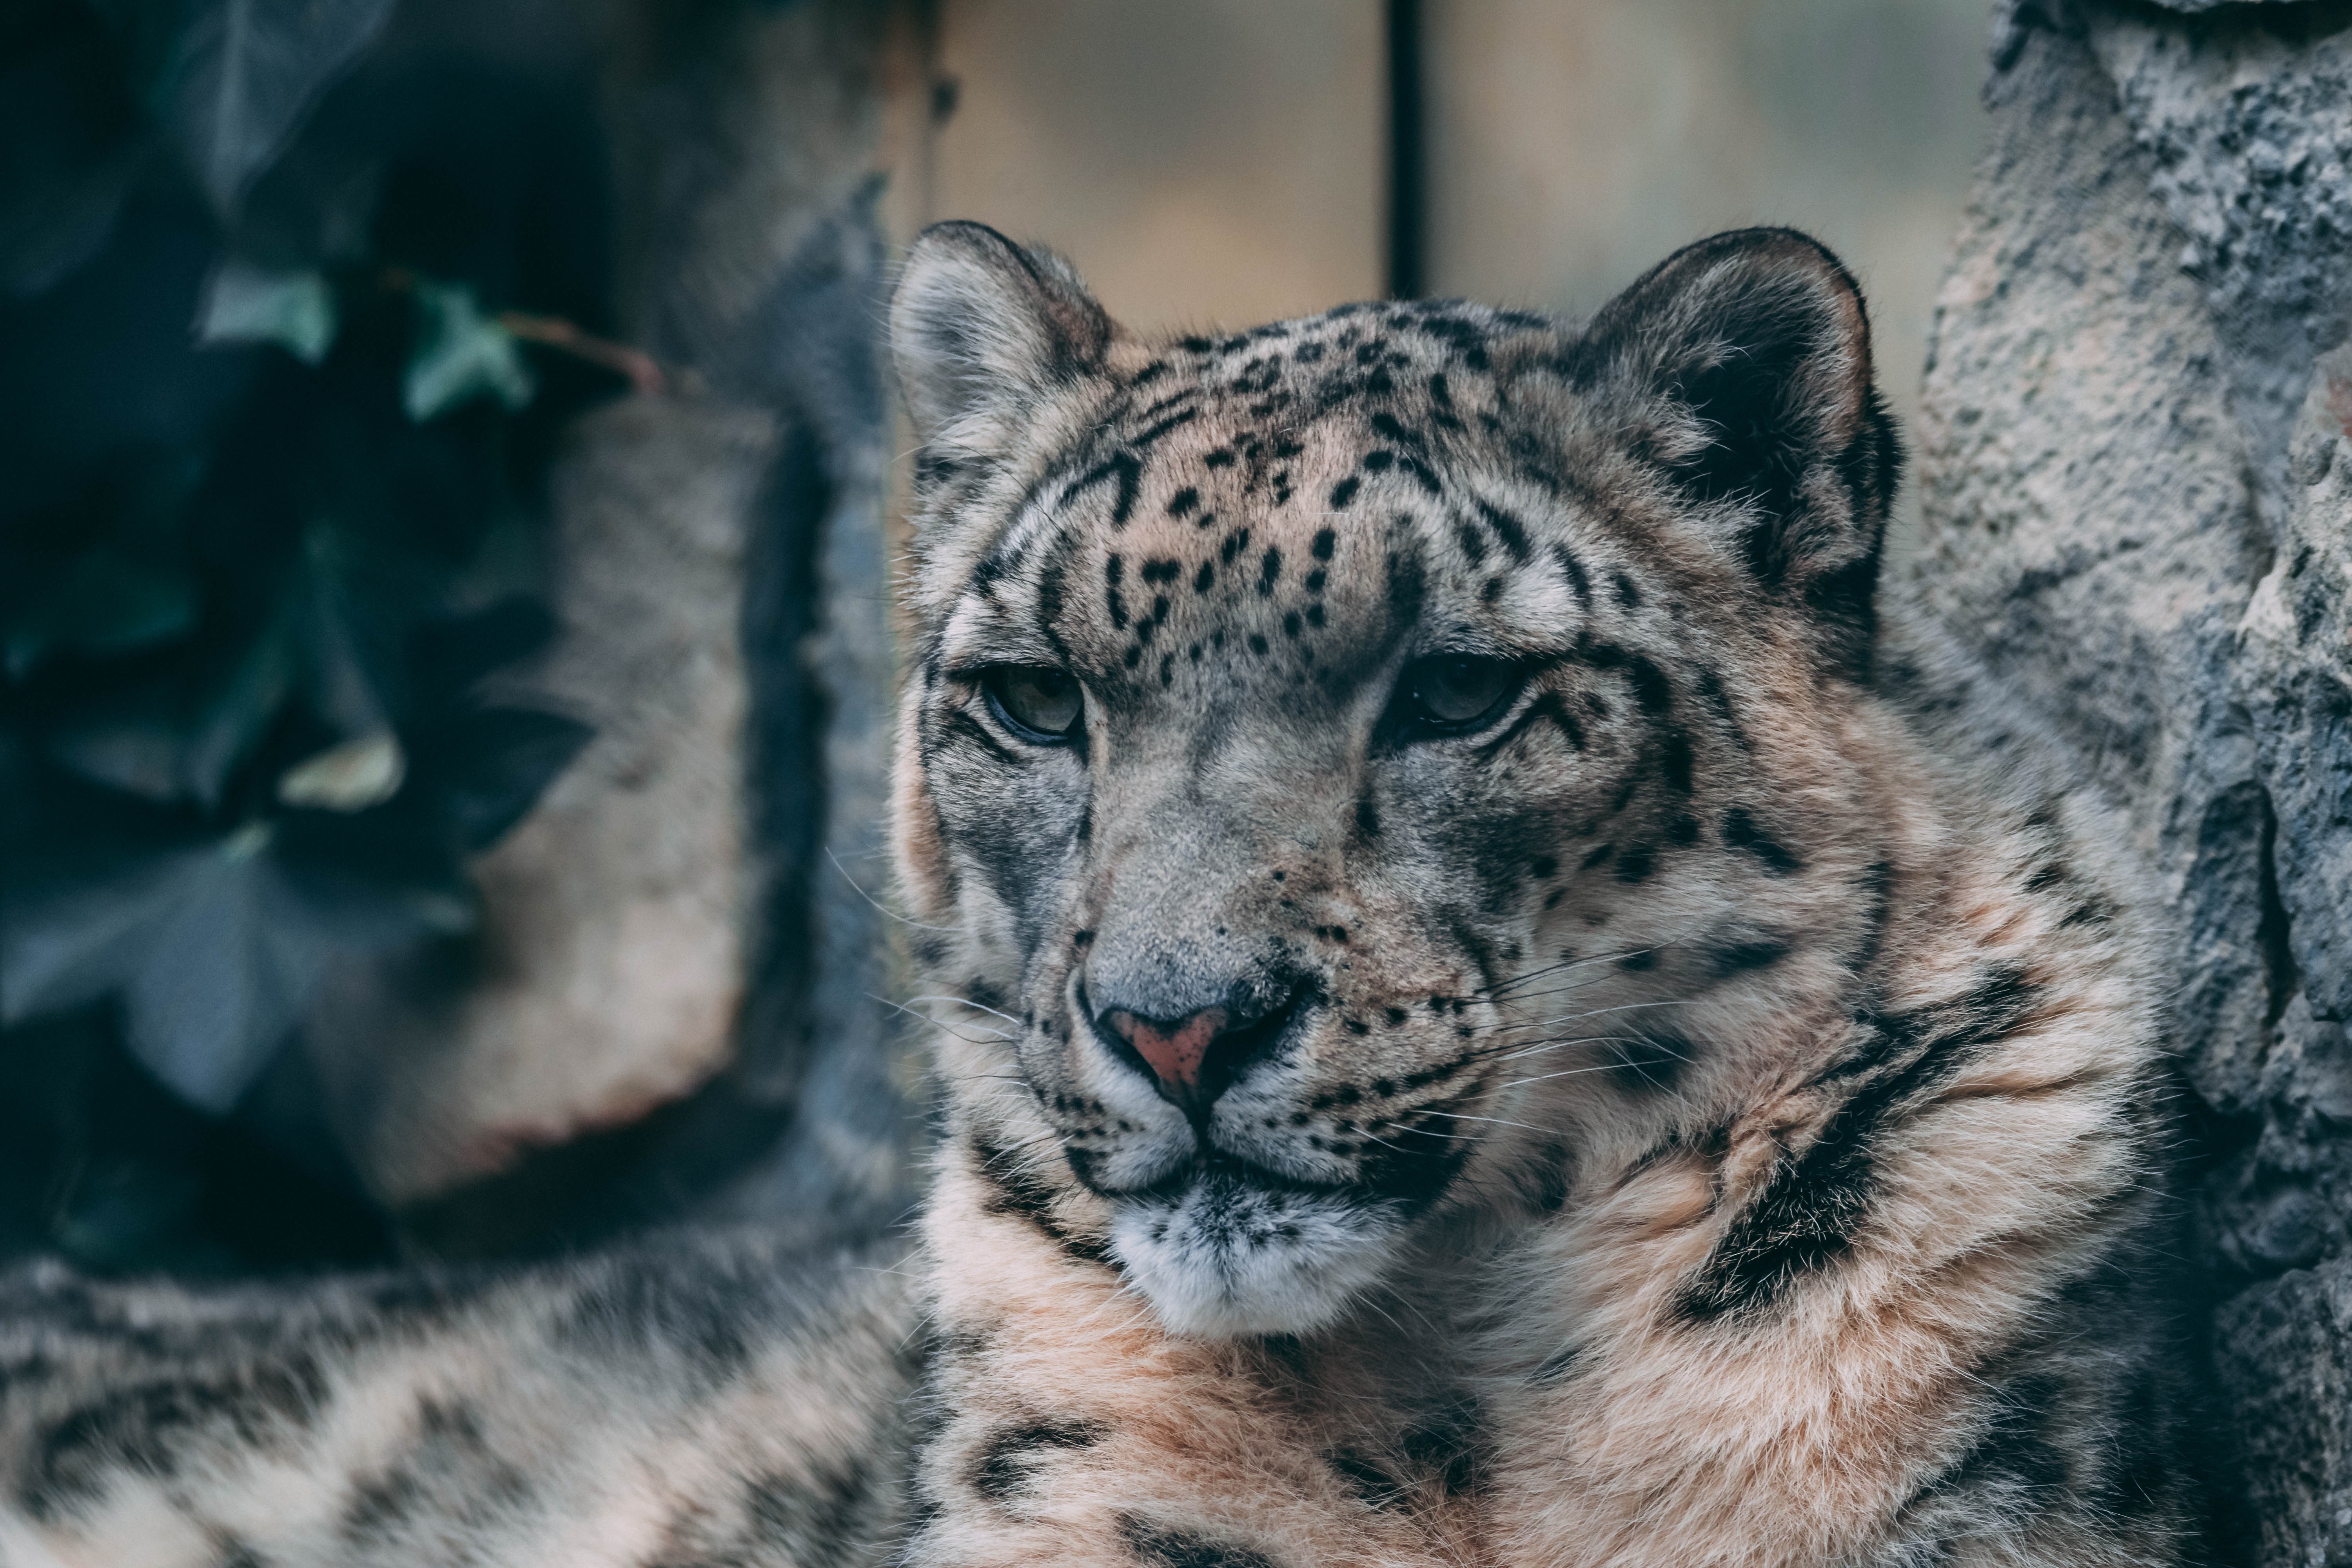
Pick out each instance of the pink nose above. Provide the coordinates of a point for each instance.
(1175, 1054)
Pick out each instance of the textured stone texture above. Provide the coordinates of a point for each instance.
(2136, 476)
(611, 963)
(676, 948)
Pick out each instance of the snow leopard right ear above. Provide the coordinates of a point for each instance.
(980, 328)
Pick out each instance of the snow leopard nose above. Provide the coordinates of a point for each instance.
(1192, 1060)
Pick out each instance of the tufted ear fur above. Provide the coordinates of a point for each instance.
(979, 328)
(1745, 360)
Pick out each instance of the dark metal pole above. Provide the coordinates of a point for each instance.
(1408, 167)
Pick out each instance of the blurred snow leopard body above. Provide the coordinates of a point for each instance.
(1484, 1031)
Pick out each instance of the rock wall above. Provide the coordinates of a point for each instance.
(2134, 468)
(674, 1007)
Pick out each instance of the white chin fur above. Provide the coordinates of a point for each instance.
(1228, 1258)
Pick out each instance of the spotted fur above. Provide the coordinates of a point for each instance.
(1706, 1110)
(708, 1401)
(1686, 1118)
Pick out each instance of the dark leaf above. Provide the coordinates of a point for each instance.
(248, 304)
(241, 74)
(461, 354)
(214, 942)
(70, 148)
(357, 774)
(178, 733)
(105, 600)
(133, 738)
(489, 766)
(450, 654)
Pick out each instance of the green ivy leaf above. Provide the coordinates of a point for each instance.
(355, 776)
(215, 942)
(488, 766)
(240, 75)
(459, 355)
(246, 304)
(105, 600)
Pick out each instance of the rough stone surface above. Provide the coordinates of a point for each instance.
(677, 948)
(610, 965)
(2285, 1350)
(2136, 476)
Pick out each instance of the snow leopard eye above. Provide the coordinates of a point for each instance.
(1042, 707)
(1454, 693)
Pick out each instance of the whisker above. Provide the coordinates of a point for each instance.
(877, 903)
(968, 1002)
(946, 1028)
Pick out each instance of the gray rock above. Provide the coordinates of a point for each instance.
(2135, 478)
(685, 926)
(2285, 1357)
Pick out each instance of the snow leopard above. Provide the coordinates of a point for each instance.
(1489, 1009)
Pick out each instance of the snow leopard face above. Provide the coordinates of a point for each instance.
(1355, 768)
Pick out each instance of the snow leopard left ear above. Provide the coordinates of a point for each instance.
(980, 328)
(1742, 366)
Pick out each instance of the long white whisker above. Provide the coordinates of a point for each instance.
(877, 903)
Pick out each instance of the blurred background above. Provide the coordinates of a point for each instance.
(445, 647)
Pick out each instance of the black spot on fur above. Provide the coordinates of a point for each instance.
(1173, 421)
(1627, 595)
(150, 1427)
(1367, 818)
(1257, 644)
(1013, 1189)
(1740, 832)
(1650, 688)
(1123, 470)
(1205, 578)
(1806, 1216)
(1653, 1064)
(449, 1455)
(1675, 763)
(1509, 530)
(1368, 1482)
(1325, 539)
(1268, 569)
(2015, 1459)
(1005, 1464)
(1160, 1547)
(1573, 570)
(1744, 954)
(821, 1520)
(1636, 863)
(237, 1554)
(1446, 1449)
(1472, 544)
(1345, 491)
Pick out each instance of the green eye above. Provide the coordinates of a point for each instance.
(1455, 692)
(1041, 706)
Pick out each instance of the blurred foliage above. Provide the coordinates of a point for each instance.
(276, 458)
